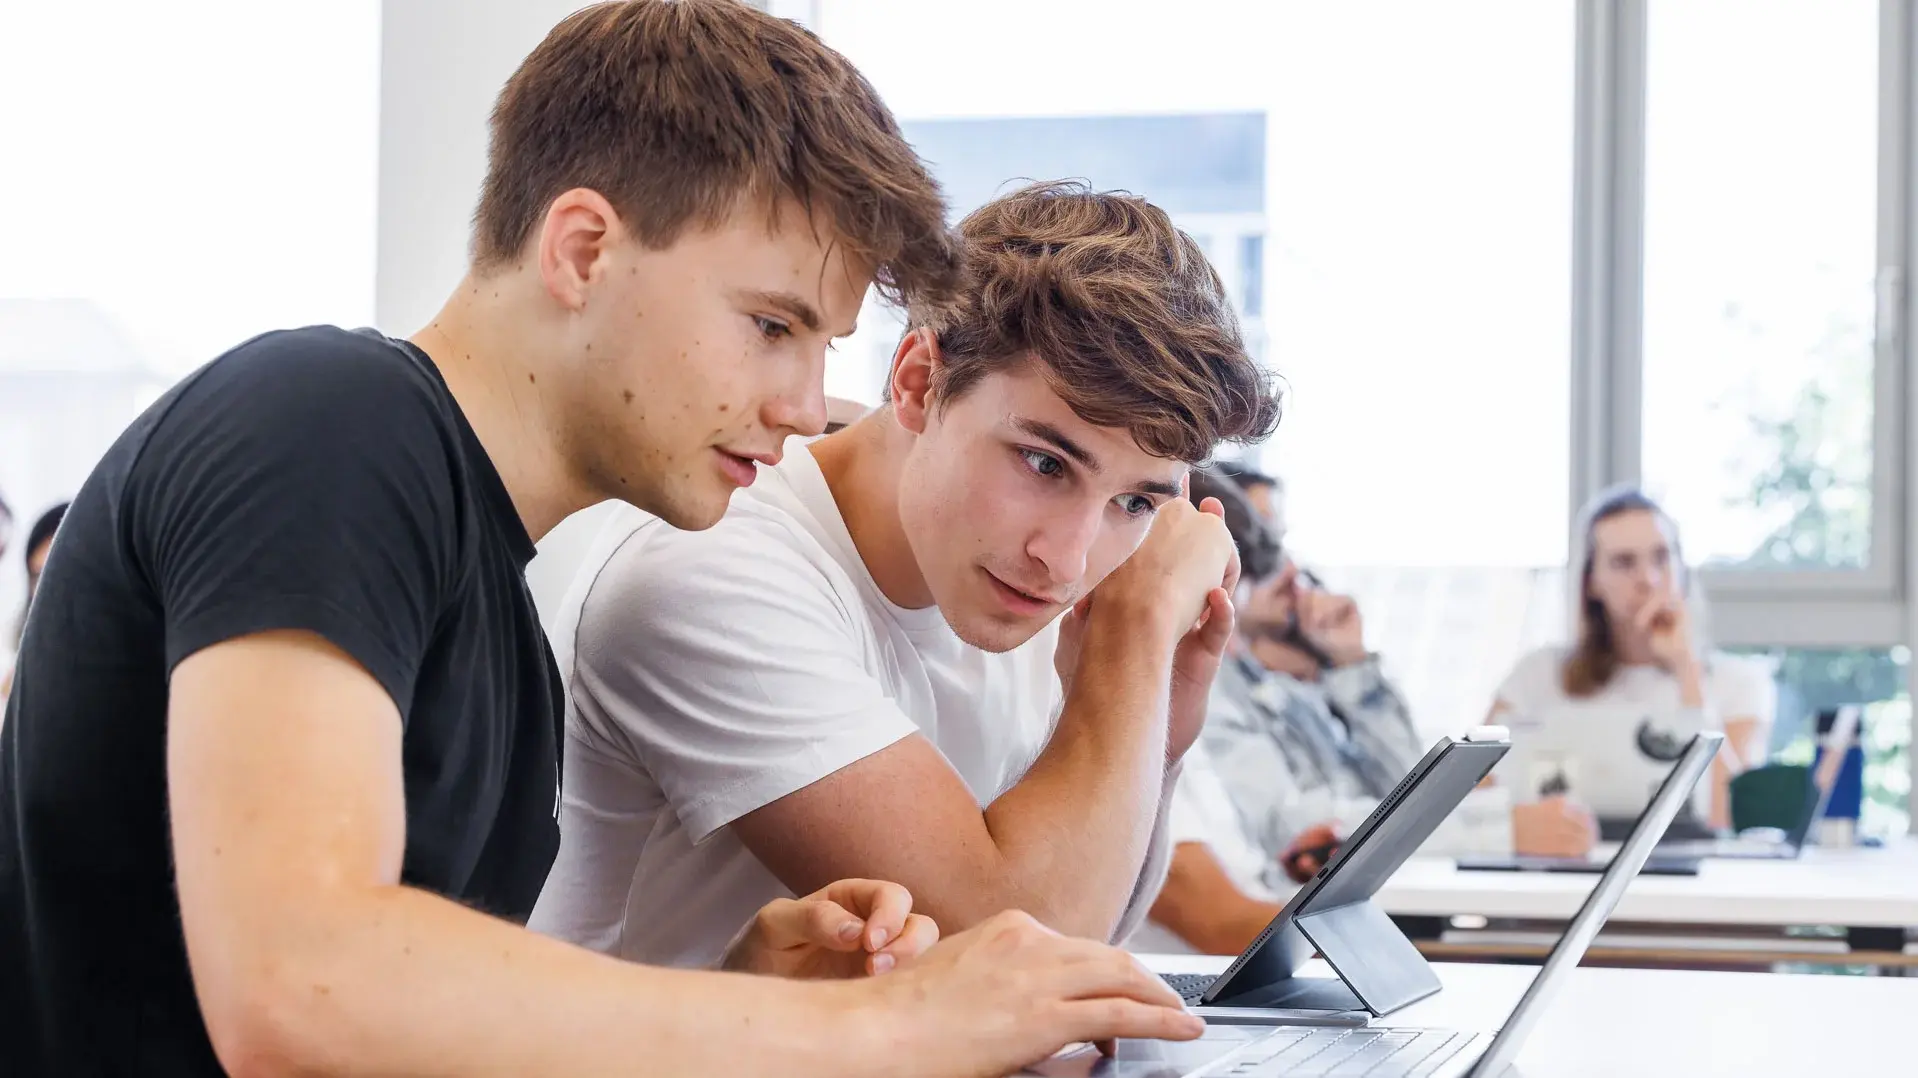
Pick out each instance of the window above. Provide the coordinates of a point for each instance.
(1761, 264)
(1418, 281)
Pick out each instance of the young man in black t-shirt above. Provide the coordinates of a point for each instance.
(280, 771)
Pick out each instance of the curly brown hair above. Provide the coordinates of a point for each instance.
(678, 110)
(1128, 321)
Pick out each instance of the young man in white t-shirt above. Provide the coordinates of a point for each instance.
(859, 671)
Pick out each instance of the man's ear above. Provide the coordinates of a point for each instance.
(574, 243)
(914, 368)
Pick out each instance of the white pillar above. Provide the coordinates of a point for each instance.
(442, 62)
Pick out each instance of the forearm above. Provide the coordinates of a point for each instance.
(1200, 905)
(1072, 835)
(397, 981)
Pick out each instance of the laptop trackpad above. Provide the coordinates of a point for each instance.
(1297, 994)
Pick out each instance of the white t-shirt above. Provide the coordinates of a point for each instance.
(1613, 747)
(712, 673)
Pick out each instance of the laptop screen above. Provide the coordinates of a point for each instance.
(1598, 906)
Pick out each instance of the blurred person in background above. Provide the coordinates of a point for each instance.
(39, 544)
(1641, 649)
(1304, 734)
(1265, 493)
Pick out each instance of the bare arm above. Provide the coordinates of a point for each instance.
(307, 955)
(1066, 844)
(309, 958)
(1202, 906)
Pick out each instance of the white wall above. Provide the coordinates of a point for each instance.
(442, 62)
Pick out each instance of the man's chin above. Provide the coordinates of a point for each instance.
(996, 635)
(692, 511)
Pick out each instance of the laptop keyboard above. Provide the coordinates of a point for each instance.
(1189, 986)
(1351, 1053)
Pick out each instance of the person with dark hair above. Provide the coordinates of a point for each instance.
(860, 674)
(1641, 646)
(39, 545)
(1265, 492)
(1304, 735)
(279, 773)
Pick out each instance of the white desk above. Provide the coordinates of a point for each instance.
(1856, 887)
(1652, 1023)
(1871, 892)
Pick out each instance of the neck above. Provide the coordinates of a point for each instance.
(481, 343)
(863, 465)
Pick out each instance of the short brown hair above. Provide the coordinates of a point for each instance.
(1128, 321)
(677, 110)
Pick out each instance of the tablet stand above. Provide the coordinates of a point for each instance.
(1371, 955)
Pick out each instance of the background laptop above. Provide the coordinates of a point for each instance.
(1380, 1052)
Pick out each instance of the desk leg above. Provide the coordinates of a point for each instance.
(1880, 939)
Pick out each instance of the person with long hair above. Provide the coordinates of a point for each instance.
(1640, 645)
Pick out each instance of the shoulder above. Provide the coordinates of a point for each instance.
(751, 575)
(321, 383)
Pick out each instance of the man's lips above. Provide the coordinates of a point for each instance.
(1020, 599)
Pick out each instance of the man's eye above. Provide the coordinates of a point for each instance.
(770, 329)
(1042, 463)
(1136, 505)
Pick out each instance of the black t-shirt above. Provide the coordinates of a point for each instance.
(315, 479)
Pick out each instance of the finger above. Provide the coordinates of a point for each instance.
(1232, 567)
(883, 905)
(1213, 506)
(1089, 970)
(1219, 620)
(1646, 615)
(818, 922)
(918, 936)
(1100, 1020)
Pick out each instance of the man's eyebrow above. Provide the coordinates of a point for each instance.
(801, 311)
(1046, 432)
(1159, 487)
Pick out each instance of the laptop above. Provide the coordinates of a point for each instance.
(1379, 970)
(1410, 1052)
(1603, 755)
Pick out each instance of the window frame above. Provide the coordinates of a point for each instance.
(1872, 606)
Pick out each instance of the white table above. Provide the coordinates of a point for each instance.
(1651, 1023)
(1855, 888)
